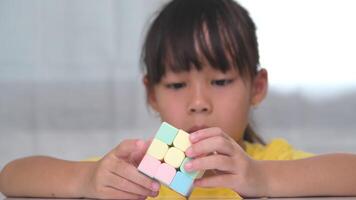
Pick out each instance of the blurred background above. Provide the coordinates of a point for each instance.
(70, 80)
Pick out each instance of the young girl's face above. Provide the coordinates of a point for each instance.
(194, 100)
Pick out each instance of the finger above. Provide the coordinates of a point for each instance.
(216, 161)
(131, 173)
(224, 180)
(206, 133)
(149, 141)
(114, 193)
(210, 145)
(120, 183)
(136, 156)
(126, 147)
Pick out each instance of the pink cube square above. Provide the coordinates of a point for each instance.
(149, 165)
(165, 173)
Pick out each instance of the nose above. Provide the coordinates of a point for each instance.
(200, 102)
(198, 109)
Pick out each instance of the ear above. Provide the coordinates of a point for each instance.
(259, 87)
(150, 95)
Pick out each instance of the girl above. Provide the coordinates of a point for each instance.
(201, 75)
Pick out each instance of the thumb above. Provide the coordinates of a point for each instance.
(136, 156)
(126, 147)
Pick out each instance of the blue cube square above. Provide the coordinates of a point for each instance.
(182, 183)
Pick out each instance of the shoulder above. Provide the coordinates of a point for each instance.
(277, 149)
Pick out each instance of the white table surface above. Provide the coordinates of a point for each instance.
(2, 197)
(308, 198)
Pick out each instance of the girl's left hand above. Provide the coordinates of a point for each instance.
(235, 169)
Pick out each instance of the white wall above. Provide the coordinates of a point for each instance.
(306, 44)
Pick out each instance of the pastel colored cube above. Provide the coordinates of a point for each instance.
(182, 141)
(166, 133)
(193, 174)
(149, 165)
(182, 184)
(165, 173)
(165, 159)
(157, 149)
(174, 157)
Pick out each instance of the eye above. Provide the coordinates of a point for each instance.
(175, 86)
(222, 82)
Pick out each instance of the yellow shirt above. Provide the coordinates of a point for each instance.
(277, 149)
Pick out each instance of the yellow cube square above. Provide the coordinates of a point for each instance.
(174, 157)
(182, 141)
(157, 149)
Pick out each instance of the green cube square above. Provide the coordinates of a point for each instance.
(192, 175)
(166, 133)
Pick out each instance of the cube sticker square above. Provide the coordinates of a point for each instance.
(165, 160)
(165, 173)
(182, 183)
(149, 165)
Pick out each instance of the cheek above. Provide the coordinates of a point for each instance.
(170, 107)
(235, 110)
(235, 121)
(234, 103)
(233, 113)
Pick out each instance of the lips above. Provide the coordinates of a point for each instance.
(196, 128)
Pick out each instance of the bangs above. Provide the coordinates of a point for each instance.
(198, 33)
(202, 44)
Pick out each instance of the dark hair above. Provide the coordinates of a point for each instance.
(187, 31)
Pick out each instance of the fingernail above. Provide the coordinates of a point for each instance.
(192, 137)
(188, 166)
(154, 194)
(140, 143)
(155, 186)
(189, 152)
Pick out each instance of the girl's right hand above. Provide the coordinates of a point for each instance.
(116, 176)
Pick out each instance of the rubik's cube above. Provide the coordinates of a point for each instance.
(165, 159)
